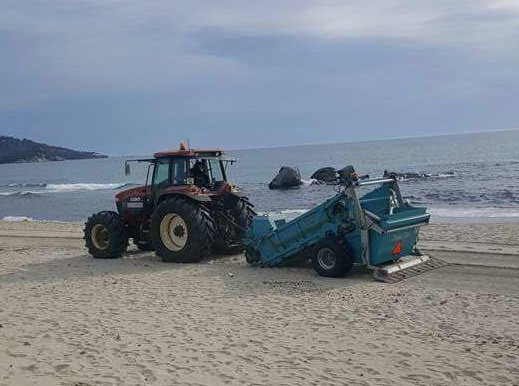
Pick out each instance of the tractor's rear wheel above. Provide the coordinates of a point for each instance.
(182, 231)
(231, 241)
(104, 235)
(330, 258)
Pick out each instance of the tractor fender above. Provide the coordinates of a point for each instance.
(198, 198)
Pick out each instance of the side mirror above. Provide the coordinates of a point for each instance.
(127, 170)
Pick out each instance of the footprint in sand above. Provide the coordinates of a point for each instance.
(32, 367)
(148, 375)
(14, 355)
(61, 368)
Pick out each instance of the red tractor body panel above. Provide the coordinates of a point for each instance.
(131, 195)
(140, 191)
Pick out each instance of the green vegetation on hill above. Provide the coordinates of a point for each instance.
(13, 150)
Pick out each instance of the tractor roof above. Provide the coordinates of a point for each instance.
(190, 153)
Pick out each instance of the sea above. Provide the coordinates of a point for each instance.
(467, 178)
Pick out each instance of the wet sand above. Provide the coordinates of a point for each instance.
(68, 319)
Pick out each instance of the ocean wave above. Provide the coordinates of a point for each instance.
(453, 212)
(507, 195)
(459, 212)
(410, 176)
(444, 175)
(17, 218)
(21, 194)
(414, 200)
(85, 186)
(498, 197)
(25, 185)
(63, 188)
(69, 186)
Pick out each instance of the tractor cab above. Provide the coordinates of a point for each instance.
(203, 169)
(192, 172)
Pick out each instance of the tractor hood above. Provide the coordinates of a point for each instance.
(139, 191)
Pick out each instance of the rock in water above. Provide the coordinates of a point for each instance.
(287, 178)
(327, 174)
(346, 172)
(405, 175)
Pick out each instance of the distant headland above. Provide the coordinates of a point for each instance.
(14, 150)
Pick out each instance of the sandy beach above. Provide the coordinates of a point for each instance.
(68, 319)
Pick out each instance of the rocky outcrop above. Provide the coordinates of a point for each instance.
(346, 173)
(326, 175)
(14, 150)
(286, 178)
(405, 175)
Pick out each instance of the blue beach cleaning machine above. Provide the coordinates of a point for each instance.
(378, 230)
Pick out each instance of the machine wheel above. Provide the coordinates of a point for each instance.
(182, 231)
(242, 212)
(331, 258)
(104, 235)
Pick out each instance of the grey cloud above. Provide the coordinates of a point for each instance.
(106, 67)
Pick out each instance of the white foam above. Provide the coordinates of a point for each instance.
(17, 218)
(15, 185)
(308, 182)
(447, 175)
(458, 212)
(82, 186)
(24, 193)
(455, 212)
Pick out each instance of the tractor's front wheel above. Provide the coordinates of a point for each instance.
(330, 258)
(104, 235)
(182, 231)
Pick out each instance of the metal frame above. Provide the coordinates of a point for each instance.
(368, 220)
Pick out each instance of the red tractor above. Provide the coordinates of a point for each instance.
(185, 212)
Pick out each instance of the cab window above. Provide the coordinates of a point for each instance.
(216, 171)
(179, 171)
(161, 174)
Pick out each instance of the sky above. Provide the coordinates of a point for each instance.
(126, 77)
